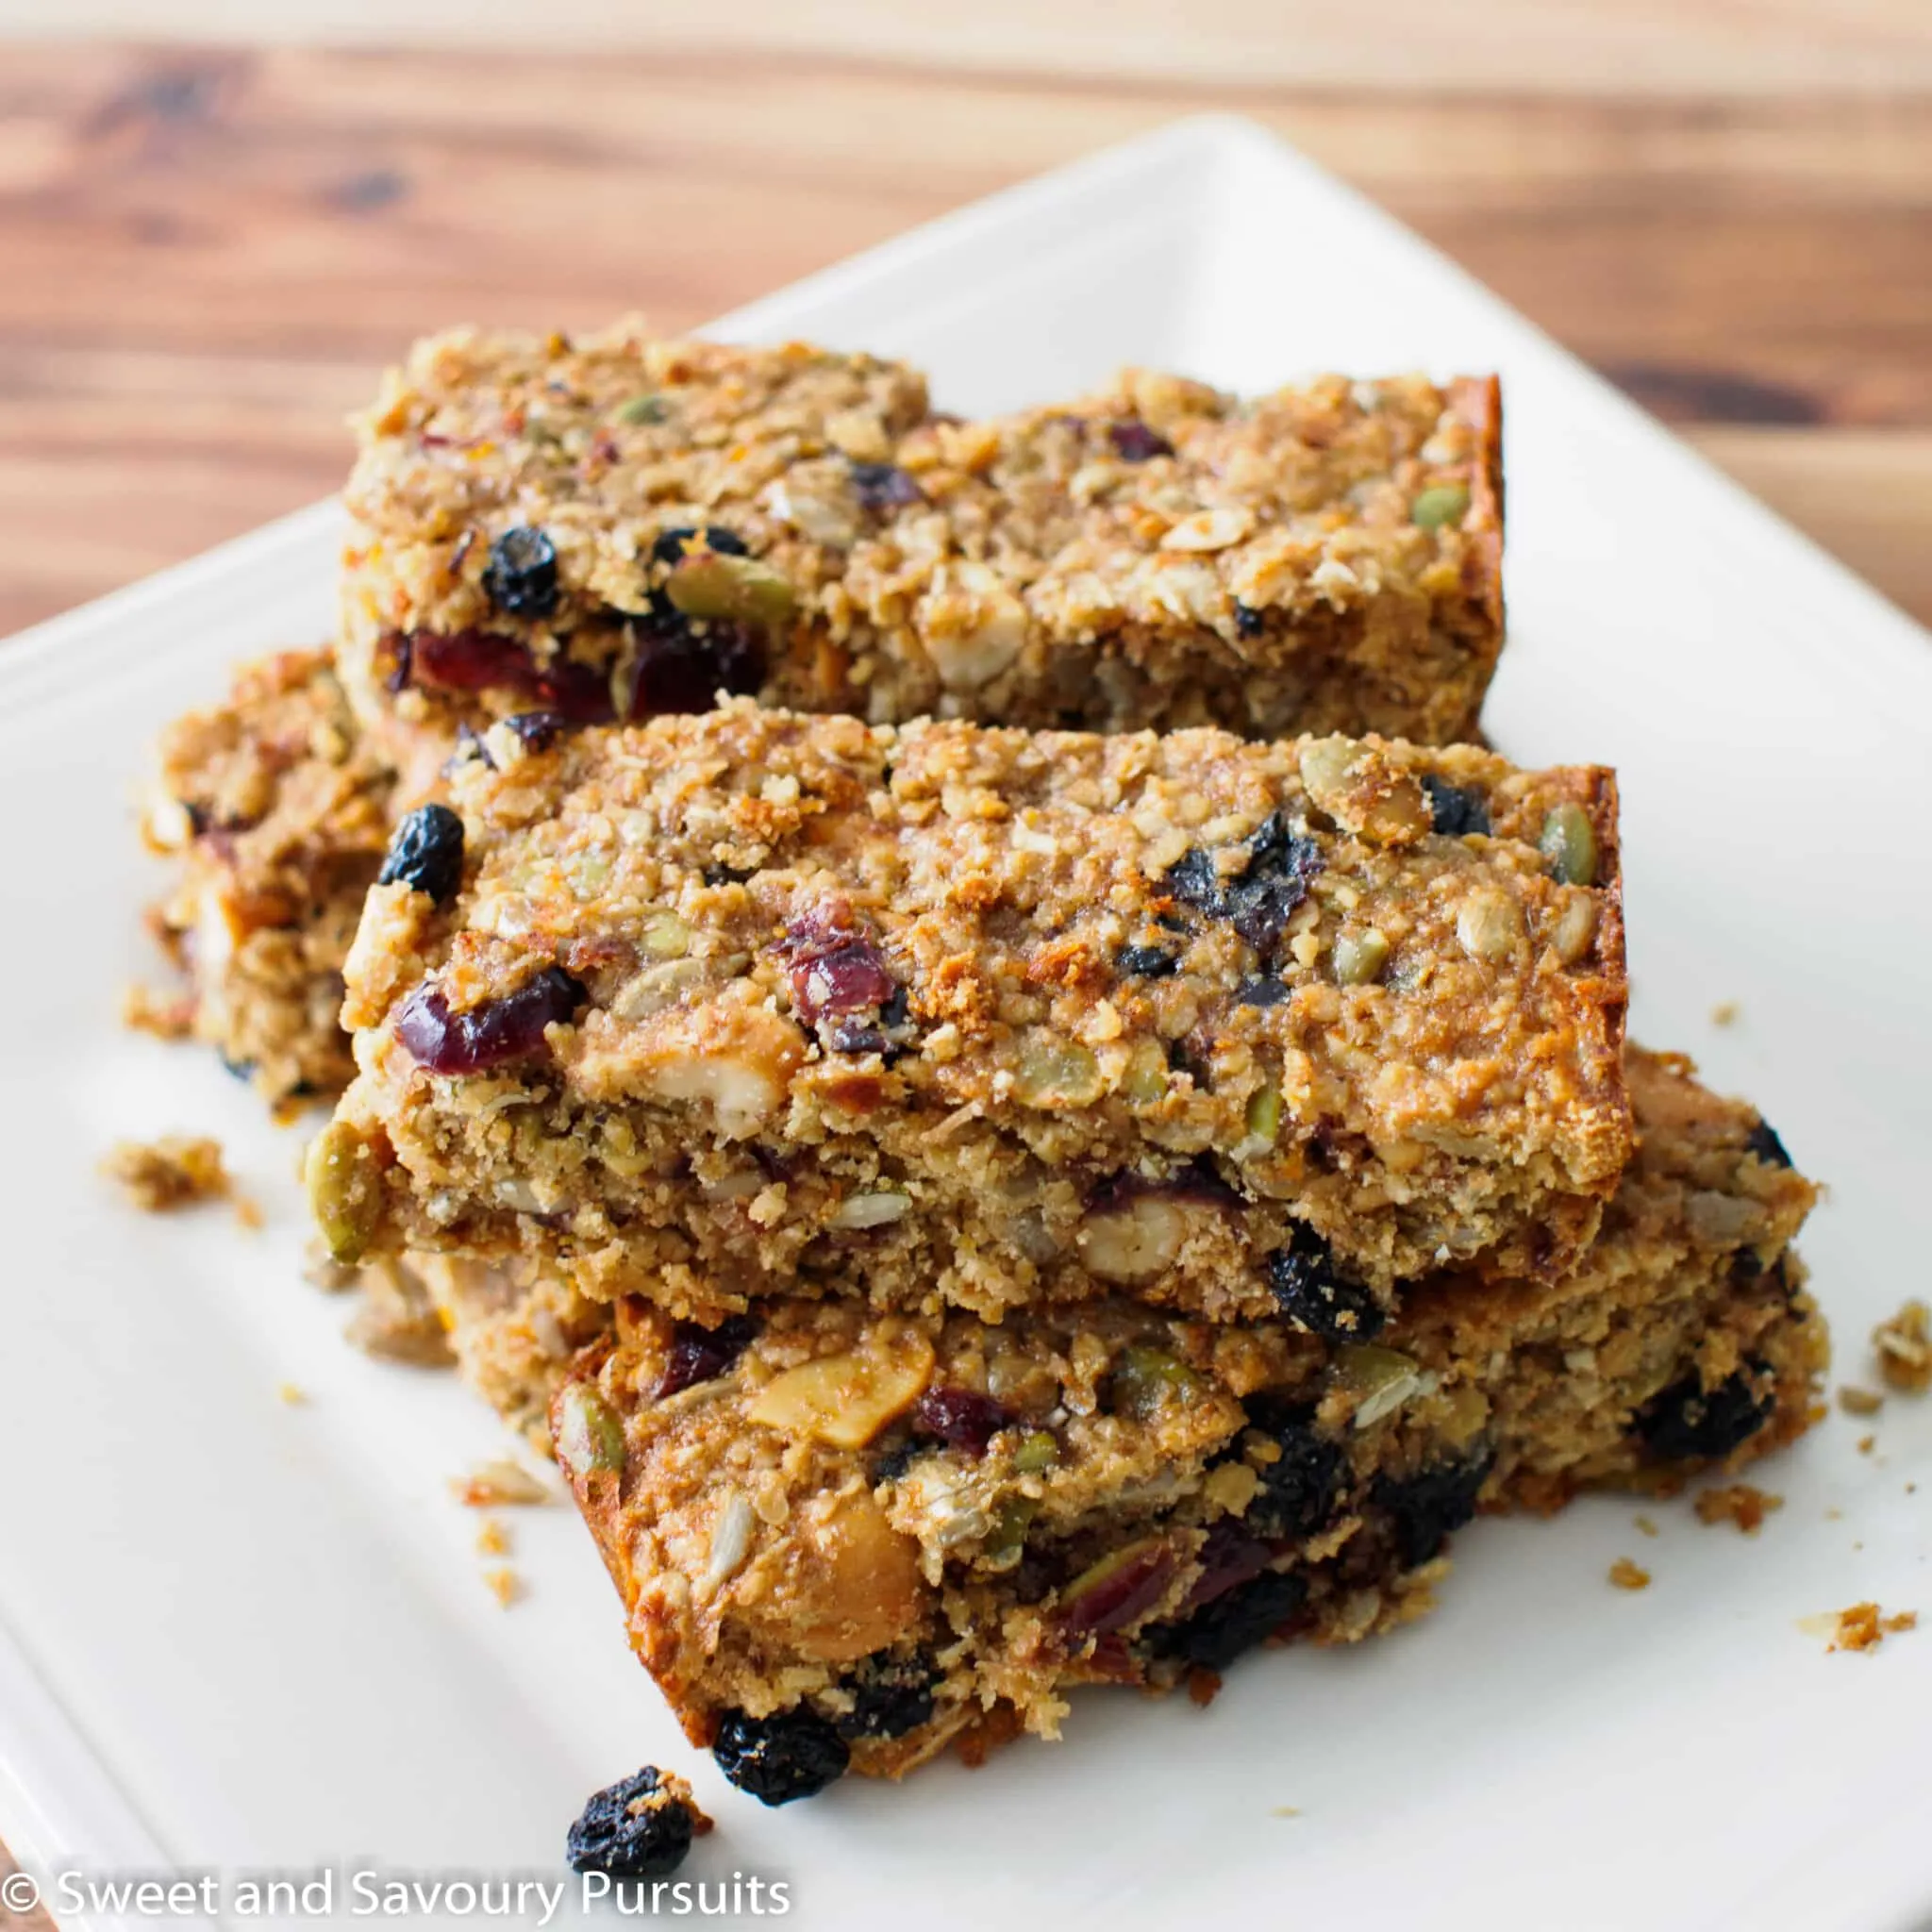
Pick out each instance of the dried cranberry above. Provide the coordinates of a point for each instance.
(1229, 1556)
(884, 486)
(673, 545)
(426, 852)
(681, 667)
(1456, 810)
(1688, 1420)
(537, 730)
(1310, 1289)
(1764, 1142)
(702, 1355)
(508, 1030)
(1134, 443)
(483, 661)
(834, 968)
(959, 1418)
(1118, 1589)
(521, 576)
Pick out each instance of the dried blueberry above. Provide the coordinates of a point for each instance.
(1147, 962)
(1764, 1142)
(1426, 1508)
(1688, 1420)
(426, 852)
(1235, 1621)
(702, 1355)
(889, 1697)
(637, 1828)
(1134, 443)
(1247, 620)
(1264, 990)
(1276, 870)
(891, 1460)
(789, 1755)
(884, 486)
(521, 576)
(1194, 880)
(1457, 809)
(959, 1418)
(1300, 1487)
(1310, 1290)
(1279, 870)
(536, 730)
(510, 1028)
(672, 546)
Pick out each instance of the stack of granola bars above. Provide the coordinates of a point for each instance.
(947, 1010)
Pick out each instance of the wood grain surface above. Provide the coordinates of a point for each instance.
(210, 252)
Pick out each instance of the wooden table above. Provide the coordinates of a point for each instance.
(210, 252)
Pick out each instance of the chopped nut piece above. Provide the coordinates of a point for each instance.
(1628, 1576)
(1857, 1401)
(177, 1171)
(1744, 1504)
(1864, 1626)
(498, 1483)
(847, 1399)
(1904, 1349)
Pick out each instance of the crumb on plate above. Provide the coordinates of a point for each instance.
(1905, 1348)
(504, 1583)
(1628, 1576)
(166, 1015)
(177, 1171)
(1864, 1626)
(1857, 1401)
(1867, 1443)
(1725, 1013)
(1743, 1504)
(498, 1483)
(291, 1393)
(1645, 1527)
(492, 1539)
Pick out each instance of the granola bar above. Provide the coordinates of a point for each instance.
(751, 1002)
(277, 811)
(847, 1536)
(620, 527)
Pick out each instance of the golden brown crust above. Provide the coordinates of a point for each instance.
(831, 1503)
(278, 814)
(1154, 1004)
(1323, 558)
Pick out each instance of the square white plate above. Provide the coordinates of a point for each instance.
(238, 1635)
